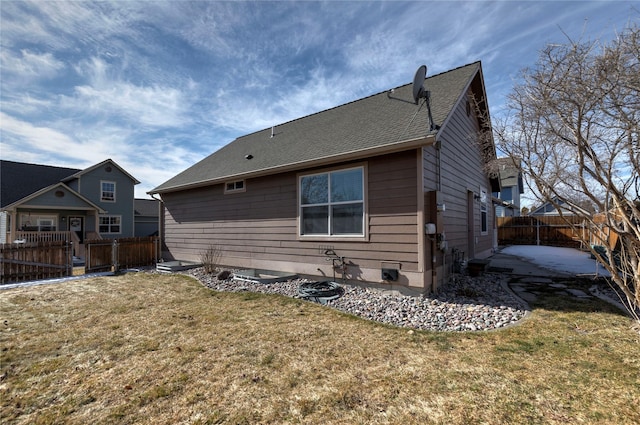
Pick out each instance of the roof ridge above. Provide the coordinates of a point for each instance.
(353, 101)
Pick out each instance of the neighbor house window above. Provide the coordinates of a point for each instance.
(332, 203)
(108, 191)
(507, 194)
(236, 186)
(110, 224)
(38, 223)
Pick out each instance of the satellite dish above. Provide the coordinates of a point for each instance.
(419, 92)
(418, 81)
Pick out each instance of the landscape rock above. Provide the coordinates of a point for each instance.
(464, 304)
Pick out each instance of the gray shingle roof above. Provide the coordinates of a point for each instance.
(384, 120)
(100, 164)
(509, 174)
(19, 179)
(147, 207)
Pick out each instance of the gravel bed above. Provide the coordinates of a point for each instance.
(464, 304)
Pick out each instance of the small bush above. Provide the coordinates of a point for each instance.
(210, 258)
(223, 275)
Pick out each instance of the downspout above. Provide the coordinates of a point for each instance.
(160, 222)
(438, 146)
(434, 260)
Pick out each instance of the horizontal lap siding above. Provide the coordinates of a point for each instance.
(261, 223)
(462, 170)
(242, 224)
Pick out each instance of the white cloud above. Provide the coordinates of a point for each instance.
(24, 104)
(18, 135)
(249, 111)
(106, 95)
(147, 106)
(29, 65)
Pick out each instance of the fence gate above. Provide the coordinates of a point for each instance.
(541, 230)
(98, 255)
(118, 254)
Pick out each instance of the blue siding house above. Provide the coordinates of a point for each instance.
(41, 202)
(511, 187)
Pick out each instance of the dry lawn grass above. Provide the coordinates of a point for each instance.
(162, 349)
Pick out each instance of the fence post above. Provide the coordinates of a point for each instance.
(114, 255)
(69, 257)
(87, 256)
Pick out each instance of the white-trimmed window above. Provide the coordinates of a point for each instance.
(332, 203)
(38, 223)
(235, 186)
(110, 224)
(484, 215)
(506, 194)
(107, 191)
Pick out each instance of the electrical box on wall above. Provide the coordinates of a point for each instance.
(430, 228)
(390, 274)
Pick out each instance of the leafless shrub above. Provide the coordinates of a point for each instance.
(210, 258)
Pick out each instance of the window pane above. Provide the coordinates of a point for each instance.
(347, 219)
(108, 191)
(314, 189)
(346, 185)
(315, 221)
(506, 194)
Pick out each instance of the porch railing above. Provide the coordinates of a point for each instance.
(30, 237)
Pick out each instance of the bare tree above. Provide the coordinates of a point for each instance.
(573, 125)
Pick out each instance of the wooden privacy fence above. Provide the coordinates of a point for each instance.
(119, 254)
(541, 230)
(37, 260)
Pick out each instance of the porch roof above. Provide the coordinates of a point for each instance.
(64, 198)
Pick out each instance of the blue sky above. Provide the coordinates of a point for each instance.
(157, 86)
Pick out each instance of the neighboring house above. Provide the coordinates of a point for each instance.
(146, 217)
(511, 187)
(368, 180)
(41, 202)
(548, 208)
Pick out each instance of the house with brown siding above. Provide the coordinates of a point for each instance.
(402, 197)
